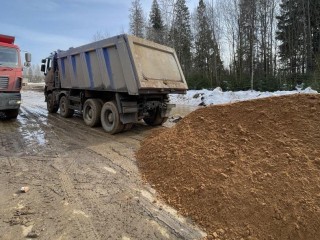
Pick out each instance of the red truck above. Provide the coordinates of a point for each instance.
(10, 76)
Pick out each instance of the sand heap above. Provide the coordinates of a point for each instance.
(246, 170)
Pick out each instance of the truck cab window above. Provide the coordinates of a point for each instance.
(49, 64)
(8, 57)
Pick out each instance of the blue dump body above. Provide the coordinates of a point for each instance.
(121, 64)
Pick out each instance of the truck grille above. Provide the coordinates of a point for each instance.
(4, 81)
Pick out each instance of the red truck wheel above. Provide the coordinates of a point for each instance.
(12, 113)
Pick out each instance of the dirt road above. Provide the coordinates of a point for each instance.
(84, 183)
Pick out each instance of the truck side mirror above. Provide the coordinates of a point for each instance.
(43, 60)
(28, 57)
(43, 67)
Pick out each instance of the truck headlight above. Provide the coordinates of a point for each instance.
(14, 102)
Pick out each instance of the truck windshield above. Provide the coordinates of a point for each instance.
(8, 57)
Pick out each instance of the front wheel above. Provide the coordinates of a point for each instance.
(65, 111)
(51, 105)
(12, 113)
(110, 119)
(91, 112)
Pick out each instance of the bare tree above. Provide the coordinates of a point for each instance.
(99, 35)
(137, 22)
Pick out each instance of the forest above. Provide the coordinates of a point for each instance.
(263, 45)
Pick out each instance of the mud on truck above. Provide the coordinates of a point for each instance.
(114, 82)
(10, 76)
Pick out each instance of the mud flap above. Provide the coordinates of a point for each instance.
(165, 111)
(128, 117)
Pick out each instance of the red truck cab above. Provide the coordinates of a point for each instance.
(10, 76)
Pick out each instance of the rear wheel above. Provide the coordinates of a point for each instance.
(110, 119)
(65, 111)
(91, 112)
(51, 105)
(155, 118)
(12, 113)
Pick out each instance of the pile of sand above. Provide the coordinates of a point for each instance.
(246, 170)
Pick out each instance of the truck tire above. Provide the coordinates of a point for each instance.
(65, 111)
(91, 112)
(51, 105)
(155, 119)
(110, 119)
(12, 113)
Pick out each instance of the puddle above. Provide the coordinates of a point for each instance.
(33, 133)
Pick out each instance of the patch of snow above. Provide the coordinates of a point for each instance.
(217, 96)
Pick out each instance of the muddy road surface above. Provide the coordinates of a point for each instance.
(83, 183)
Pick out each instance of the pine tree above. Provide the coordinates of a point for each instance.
(291, 34)
(156, 27)
(180, 36)
(207, 57)
(312, 9)
(299, 32)
(137, 23)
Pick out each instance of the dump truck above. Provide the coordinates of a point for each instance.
(114, 82)
(10, 76)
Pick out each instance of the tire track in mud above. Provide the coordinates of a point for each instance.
(117, 148)
(10, 140)
(85, 225)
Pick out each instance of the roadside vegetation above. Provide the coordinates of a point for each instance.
(264, 45)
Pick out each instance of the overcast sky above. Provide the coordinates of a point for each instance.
(42, 26)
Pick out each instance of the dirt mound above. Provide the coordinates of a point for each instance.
(246, 170)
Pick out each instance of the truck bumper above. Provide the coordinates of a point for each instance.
(10, 101)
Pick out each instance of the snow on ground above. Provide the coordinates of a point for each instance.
(217, 96)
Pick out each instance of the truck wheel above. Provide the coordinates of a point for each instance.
(110, 118)
(12, 113)
(65, 111)
(91, 112)
(155, 119)
(51, 105)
